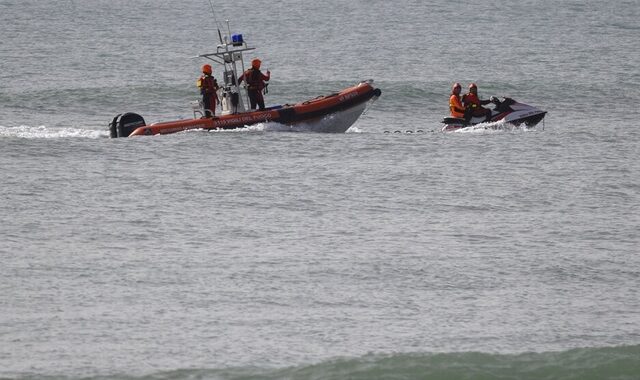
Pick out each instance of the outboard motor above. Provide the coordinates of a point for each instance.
(124, 124)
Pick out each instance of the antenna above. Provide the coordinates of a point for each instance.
(214, 15)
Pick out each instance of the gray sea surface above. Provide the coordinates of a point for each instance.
(265, 253)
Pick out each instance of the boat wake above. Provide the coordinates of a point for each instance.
(44, 132)
(493, 127)
(339, 122)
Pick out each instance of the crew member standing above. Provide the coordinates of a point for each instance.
(255, 83)
(208, 88)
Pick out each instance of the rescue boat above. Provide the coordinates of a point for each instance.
(350, 102)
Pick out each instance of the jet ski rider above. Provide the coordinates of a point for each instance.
(208, 88)
(455, 102)
(255, 83)
(473, 104)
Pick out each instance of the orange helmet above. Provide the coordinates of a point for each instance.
(255, 63)
(473, 87)
(456, 88)
(206, 69)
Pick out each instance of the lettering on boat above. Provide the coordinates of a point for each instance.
(262, 116)
(348, 96)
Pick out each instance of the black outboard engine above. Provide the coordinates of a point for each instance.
(123, 124)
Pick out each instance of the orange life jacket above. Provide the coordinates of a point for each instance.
(455, 105)
(255, 79)
(471, 100)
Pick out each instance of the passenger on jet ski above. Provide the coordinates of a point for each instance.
(473, 104)
(208, 88)
(255, 83)
(455, 102)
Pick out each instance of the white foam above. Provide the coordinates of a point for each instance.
(44, 132)
(493, 127)
(260, 127)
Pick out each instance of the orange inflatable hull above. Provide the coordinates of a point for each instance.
(287, 114)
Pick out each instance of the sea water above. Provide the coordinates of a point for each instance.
(391, 251)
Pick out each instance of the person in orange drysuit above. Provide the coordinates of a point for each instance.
(208, 88)
(473, 104)
(455, 102)
(255, 83)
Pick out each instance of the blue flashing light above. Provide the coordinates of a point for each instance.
(237, 39)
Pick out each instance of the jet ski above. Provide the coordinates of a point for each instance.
(346, 105)
(508, 110)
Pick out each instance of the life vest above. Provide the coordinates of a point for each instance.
(207, 84)
(471, 100)
(254, 80)
(455, 105)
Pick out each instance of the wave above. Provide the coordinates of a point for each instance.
(581, 363)
(587, 363)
